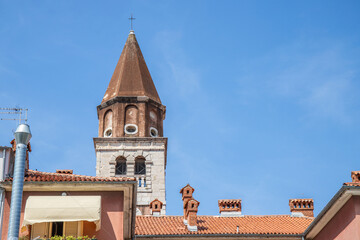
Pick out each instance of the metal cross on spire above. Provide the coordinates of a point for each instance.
(131, 21)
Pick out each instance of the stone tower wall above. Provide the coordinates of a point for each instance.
(154, 152)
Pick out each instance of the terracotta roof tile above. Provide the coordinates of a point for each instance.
(352, 184)
(37, 176)
(174, 225)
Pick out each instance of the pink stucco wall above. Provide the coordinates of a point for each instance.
(112, 221)
(345, 225)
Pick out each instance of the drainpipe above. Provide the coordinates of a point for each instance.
(2, 198)
(22, 138)
(2, 166)
(2, 191)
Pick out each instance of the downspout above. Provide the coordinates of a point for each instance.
(2, 199)
(22, 138)
(2, 191)
(2, 166)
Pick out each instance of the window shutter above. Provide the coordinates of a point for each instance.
(71, 229)
(39, 230)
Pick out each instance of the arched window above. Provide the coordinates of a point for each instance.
(120, 167)
(140, 167)
(108, 124)
(153, 124)
(131, 120)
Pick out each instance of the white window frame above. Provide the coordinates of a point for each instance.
(131, 125)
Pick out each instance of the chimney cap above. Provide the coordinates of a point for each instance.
(155, 201)
(302, 207)
(355, 176)
(225, 201)
(192, 200)
(64, 171)
(187, 187)
(230, 207)
(22, 134)
(301, 200)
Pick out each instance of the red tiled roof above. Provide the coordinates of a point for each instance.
(352, 184)
(37, 176)
(174, 225)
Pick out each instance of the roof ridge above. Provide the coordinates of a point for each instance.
(39, 176)
(73, 175)
(229, 217)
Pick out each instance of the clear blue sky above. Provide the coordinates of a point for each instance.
(263, 97)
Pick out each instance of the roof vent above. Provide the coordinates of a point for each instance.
(230, 207)
(64, 171)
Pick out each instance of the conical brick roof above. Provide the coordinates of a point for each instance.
(131, 77)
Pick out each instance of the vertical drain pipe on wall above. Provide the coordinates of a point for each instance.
(22, 138)
(2, 199)
(2, 191)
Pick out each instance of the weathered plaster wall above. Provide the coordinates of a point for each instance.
(112, 221)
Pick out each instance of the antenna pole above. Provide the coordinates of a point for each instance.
(15, 111)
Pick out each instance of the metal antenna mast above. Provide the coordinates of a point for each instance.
(18, 113)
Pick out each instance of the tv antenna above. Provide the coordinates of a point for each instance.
(18, 114)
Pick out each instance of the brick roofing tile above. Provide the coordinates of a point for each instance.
(174, 225)
(37, 176)
(352, 184)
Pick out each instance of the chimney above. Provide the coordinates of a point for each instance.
(355, 176)
(187, 193)
(301, 207)
(64, 171)
(156, 206)
(230, 207)
(191, 214)
(28, 149)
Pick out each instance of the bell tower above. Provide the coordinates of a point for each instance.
(130, 141)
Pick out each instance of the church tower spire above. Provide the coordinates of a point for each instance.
(131, 82)
(130, 140)
(131, 76)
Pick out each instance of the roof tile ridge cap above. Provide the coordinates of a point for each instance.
(59, 174)
(351, 183)
(272, 215)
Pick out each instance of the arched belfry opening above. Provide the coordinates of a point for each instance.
(108, 123)
(131, 121)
